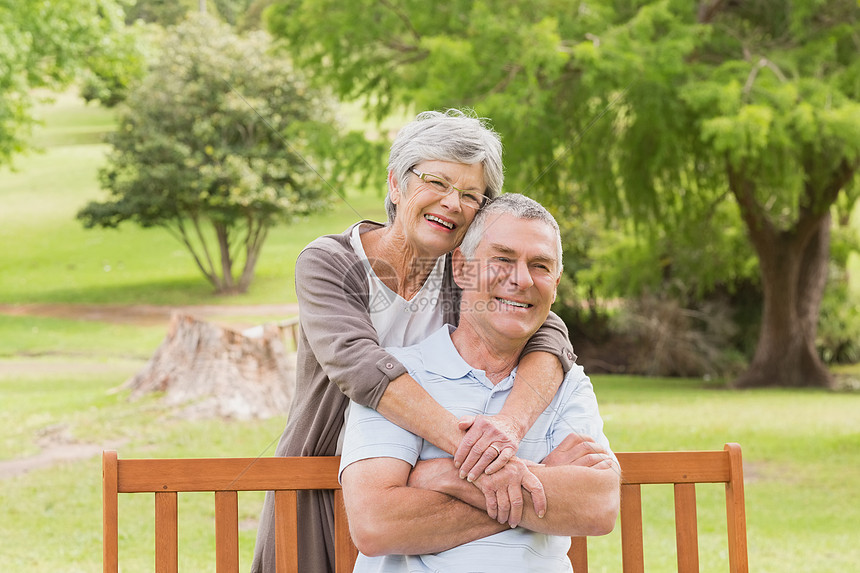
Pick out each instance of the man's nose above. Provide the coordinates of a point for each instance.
(521, 277)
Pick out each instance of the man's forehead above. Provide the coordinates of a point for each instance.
(506, 233)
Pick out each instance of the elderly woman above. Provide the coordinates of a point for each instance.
(377, 286)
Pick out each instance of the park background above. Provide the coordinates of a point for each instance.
(82, 310)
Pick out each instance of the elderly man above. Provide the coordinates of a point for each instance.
(409, 508)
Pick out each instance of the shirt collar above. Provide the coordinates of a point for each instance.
(441, 357)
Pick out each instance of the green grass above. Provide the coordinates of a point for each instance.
(59, 508)
(801, 455)
(48, 256)
(39, 336)
(66, 120)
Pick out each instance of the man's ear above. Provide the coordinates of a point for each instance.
(555, 290)
(459, 268)
(393, 188)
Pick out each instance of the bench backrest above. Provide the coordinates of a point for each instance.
(227, 476)
(684, 470)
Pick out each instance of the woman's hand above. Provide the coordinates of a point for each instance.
(490, 442)
(500, 494)
(503, 491)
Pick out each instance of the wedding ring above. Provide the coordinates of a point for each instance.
(498, 451)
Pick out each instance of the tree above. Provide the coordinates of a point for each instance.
(217, 145)
(655, 110)
(48, 44)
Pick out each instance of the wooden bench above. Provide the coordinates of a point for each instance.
(684, 470)
(227, 476)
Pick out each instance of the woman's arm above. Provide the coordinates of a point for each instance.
(407, 404)
(546, 358)
(538, 378)
(331, 286)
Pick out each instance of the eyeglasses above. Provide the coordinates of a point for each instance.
(441, 186)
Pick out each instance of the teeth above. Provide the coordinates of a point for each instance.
(513, 303)
(438, 220)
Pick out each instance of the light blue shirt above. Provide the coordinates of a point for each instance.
(439, 368)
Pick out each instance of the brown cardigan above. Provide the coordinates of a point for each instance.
(339, 359)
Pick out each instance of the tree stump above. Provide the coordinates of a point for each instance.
(213, 371)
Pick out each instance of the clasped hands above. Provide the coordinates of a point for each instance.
(486, 459)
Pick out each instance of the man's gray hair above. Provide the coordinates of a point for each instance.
(516, 205)
(454, 135)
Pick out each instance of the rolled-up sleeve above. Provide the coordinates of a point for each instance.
(553, 337)
(371, 435)
(578, 412)
(331, 286)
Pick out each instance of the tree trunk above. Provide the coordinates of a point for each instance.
(794, 274)
(222, 234)
(211, 371)
(257, 233)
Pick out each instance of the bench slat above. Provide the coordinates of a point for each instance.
(632, 551)
(674, 467)
(166, 533)
(110, 514)
(578, 554)
(224, 474)
(345, 551)
(226, 532)
(286, 532)
(737, 520)
(686, 532)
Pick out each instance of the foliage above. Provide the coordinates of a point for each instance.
(163, 12)
(109, 80)
(839, 333)
(217, 145)
(678, 341)
(252, 19)
(48, 44)
(231, 10)
(172, 12)
(662, 113)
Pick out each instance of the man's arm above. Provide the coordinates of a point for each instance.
(581, 499)
(581, 481)
(388, 517)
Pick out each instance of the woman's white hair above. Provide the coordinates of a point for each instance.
(454, 135)
(516, 205)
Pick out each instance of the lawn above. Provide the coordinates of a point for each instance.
(59, 380)
(801, 454)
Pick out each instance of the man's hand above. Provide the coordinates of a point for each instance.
(579, 450)
(503, 491)
(500, 494)
(490, 442)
